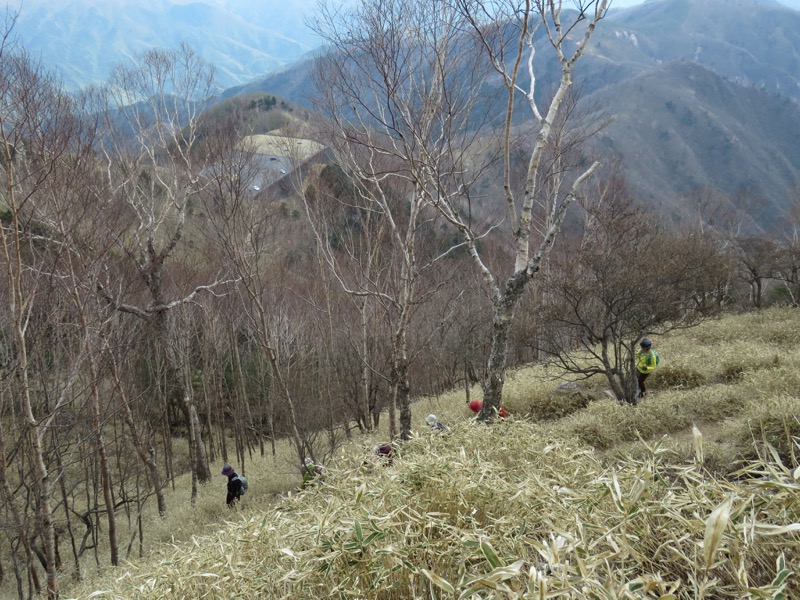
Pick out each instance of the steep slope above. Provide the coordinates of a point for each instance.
(749, 41)
(478, 509)
(682, 127)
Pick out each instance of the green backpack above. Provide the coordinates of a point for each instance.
(243, 479)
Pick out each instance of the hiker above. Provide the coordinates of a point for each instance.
(385, 452)
(434, 424)
(476, 405)
(647, 360)
(234, 485)
(312, 473)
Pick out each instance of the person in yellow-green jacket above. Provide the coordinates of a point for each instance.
(647, 360)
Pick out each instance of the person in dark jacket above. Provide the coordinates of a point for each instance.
(234, 485)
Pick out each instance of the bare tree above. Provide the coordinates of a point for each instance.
(372, 246)
(39, 141)
(412, 84)
(78, 220)
(758, 257)
(788, 270)
(397, 91)
(350, 238)
(625, 279)
(140, 430)
(245, 232)
(153, 112)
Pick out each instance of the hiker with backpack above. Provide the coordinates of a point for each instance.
(237, 485)
(647, 360)
(476, 405)
(435, 425)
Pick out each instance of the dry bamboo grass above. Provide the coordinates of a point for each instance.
(525, 510)
(497, 512)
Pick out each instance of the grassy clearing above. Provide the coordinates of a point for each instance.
(695, 493)
(277, 145)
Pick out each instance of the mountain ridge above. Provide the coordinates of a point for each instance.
(733, 125)
(685, 129)
(83, 39)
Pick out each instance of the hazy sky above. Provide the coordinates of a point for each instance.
(624, 3)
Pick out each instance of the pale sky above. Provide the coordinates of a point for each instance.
(625, 3)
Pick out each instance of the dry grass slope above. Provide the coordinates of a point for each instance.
(694, 494)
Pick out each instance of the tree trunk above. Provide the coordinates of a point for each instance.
(181, 395)
(102, 456)
(402, 386)
(17, 520)
(43, 492)
(146, 451)
(504, 303)
(65, 500)
(365, 372)
(403, 394)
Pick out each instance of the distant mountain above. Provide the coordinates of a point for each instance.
(82, 39)
(704, 92)
(753, 42)
(705, 95)
(682, 129)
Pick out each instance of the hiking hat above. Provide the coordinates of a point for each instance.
(645, 343)
(227, 470)
(431, 419)
(308, 462)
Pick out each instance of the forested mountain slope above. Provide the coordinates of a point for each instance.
(681, 130)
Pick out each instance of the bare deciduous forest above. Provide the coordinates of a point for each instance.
(171, 302)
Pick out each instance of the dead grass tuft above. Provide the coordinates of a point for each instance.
(677, 377)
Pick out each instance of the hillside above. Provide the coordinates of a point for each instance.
(704, 94)
(753, 43)
(681, 128)
(692, 494)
